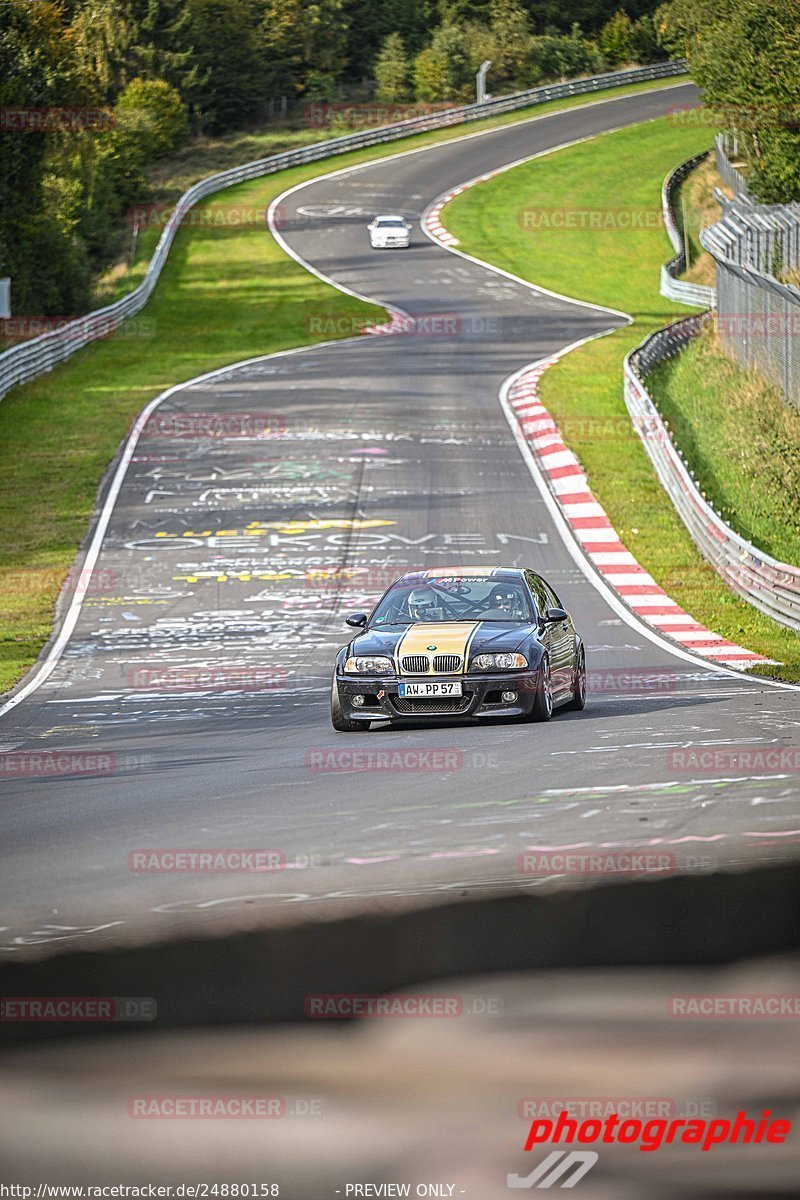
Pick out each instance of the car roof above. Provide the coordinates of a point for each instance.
(389, 217)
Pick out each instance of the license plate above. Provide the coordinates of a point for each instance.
(422, 690)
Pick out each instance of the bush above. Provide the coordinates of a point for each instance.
(157, 112)
(561, 56)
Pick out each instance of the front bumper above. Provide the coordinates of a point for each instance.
(390, 243)
(481, 696)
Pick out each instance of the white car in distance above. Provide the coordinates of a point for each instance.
(389, 231)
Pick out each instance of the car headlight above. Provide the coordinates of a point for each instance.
(374, 664)
(499, 662)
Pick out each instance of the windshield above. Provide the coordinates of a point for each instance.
(382, 222)
(455, 599)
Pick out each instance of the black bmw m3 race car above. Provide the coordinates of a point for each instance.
(471, 642)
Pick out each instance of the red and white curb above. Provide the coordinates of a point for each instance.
(432, 220)
(599, 540)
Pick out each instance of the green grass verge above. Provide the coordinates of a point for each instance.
(615, 173)
(226, 294)
(696, 209)
(739, 438)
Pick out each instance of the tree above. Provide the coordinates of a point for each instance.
(282, 47)
(645, 43)
(229, 87)
(392, 70)
(510, 42)
(745, 54)
(298, 39)
(617, 38)
(370, 23)
(443, 70)
(103, 32)
(37, 70)
(163, 45)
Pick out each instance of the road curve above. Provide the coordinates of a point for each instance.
(189, 708)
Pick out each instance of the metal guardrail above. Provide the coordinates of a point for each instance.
(772, 586)
(697, 294)
(40, 354)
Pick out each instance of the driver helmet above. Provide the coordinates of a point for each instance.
(420, 603)
(504, 598)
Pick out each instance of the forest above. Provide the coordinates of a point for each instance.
(93, 92)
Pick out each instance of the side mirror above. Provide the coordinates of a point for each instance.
(555, 614)
(357, 620)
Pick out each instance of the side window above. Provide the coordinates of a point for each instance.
(552, 599)
(535, 584)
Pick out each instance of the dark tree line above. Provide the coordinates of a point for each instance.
(134, 78)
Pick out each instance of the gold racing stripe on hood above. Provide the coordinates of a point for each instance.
(449, 637)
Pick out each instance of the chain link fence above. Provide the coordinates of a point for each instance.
(770, 585)
(40, 354)
(754, 246)
(726, 148)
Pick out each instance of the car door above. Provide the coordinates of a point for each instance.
(547, 632)
(558, 637)
(563, 643)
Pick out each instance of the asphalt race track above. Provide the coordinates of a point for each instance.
(193, 690)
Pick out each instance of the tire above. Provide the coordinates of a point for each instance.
(543, 704)
(339, 721)
(578, 701)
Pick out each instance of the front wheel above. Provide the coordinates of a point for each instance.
(339, 721)
(578, 700)
(543, 704)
